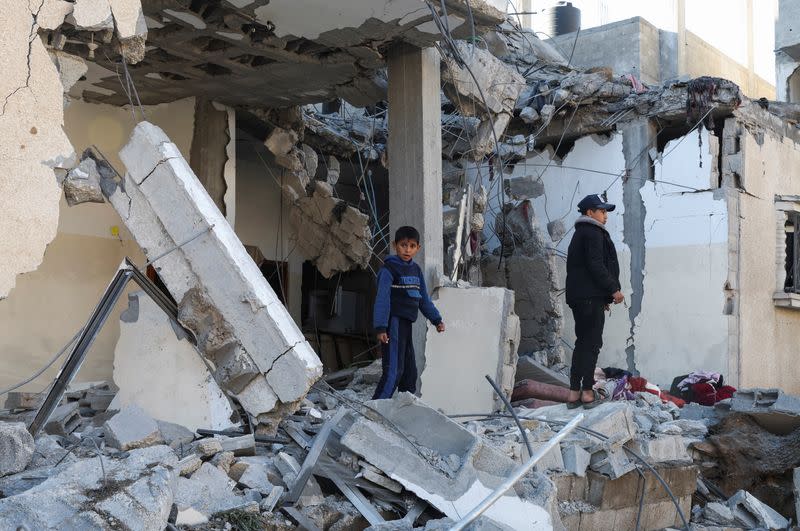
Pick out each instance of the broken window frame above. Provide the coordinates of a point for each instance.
(787, 246)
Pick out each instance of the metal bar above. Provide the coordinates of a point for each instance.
(313, 456)
(82, 345)
(360, 502)
(517, 475)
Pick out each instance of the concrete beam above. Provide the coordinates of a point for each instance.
(259, 354)
(415, 159)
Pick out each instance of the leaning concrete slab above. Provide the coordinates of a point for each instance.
(448, 466)
(775, 410)
(481, 338)
(159, 370)
(260, 355)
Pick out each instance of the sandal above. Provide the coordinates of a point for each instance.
(600, 396)
(576, 404)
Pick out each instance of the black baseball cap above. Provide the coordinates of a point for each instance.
(594, 202)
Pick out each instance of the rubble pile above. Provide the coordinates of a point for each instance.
(344, 462)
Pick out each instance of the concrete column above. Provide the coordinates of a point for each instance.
(637, 140)
(209, 149)
(415, 160)
(680, 29)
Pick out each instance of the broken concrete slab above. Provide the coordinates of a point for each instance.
(530, 369)
(16, 447)
(718, 514)
(526, 187)
(775, 410)
(131, 493)
(255, 477)
(207, 447)
(52, 13)
(159, 370)
(481, 339)
(132, 428)
(688, 428)
(663, 449)
(243, 445)
(251, 337)
(175, 435)
(452, 490)
(612, 419)
(751, 513)
(131, 28)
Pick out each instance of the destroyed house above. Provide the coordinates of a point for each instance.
(198, 196)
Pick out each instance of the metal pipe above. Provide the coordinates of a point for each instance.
(517, 475)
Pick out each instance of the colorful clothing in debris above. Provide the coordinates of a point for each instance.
(402, 294)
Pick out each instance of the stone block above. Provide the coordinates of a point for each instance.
(688, 428)
(481, 338)
(189, 465)
(749, 512)
(132, 428)
(223, 461)
(16, 447)
(82, 184)
(157, 368)
(452, 489)
(662, 449)
(576, 459)
(255, 477)
(162, 203)
(719, 514)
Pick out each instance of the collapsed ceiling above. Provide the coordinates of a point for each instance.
(265, 53)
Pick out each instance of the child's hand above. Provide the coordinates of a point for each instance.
(383, 337)
(440, 327)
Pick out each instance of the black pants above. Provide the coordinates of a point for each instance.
(399, 362)
(590, 318)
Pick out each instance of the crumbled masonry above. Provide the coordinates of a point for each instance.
(260, 357)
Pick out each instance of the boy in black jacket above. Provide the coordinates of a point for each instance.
(592, 284)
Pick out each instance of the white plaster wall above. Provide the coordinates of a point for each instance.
(49, 305)
(261, 217)
(681, 326)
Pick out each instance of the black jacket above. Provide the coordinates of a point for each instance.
(592, 265)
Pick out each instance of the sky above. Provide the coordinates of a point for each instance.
(722, 23)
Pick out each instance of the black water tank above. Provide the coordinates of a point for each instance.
(559, 19)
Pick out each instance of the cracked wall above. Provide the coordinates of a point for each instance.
(33, 143)
(681, 325)
(53, 301)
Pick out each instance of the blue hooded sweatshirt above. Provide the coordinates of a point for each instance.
(402, 293)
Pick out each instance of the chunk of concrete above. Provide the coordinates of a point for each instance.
(243, 445)
(527, 187)
(251, 337)
(132, 428)
(189, 465)
(52, 13)
(131, 493)
(92, 15)
(208, 491)
(576, 459)
(175, 435)
(482, 337)
(452, 491)
(719, 514)
(611, 461)
(159, 370)
(16, 447)
(663, 449)
(208, 447)
(255, 477)
(82, 184)
(530, 369)
(749, 512)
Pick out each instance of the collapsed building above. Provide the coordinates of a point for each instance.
(257, 160)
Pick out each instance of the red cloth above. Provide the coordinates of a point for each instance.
(704, 393)
(725, 392)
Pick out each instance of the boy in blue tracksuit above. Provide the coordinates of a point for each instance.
(401, 296)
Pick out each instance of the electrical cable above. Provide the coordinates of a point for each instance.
(499, 392)
(46, 366)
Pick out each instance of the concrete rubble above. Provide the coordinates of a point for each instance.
(261, 359)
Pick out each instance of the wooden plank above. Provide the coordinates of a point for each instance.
(300, 519)
(360, 502)
(313, 455)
